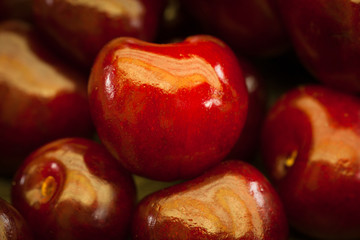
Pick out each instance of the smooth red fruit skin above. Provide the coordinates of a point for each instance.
(231, 201)
(12, 224)
(247, 145)
(310, 144)
(168, 111)
(74, 189)
(326, 35)
(69, 23)
(41, 98)
(252, 27)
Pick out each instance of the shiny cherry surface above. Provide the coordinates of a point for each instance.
(74, 189)
(69, 24)
(231, 201)
(326, 35)
(310, 144)
(12, 224)
(168, 111)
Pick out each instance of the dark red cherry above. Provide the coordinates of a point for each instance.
(74, 189)
(83, 27)
(41, 97)
(310, 144)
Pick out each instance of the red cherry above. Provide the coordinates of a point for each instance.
(310, 145)
(74, 189)
(231, 201)
(251, 27)
(168, 111)
(41, 98)
(82, 28)
(325, 35)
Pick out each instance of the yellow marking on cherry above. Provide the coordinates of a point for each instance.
(167, 73)
(290, 161)
(48, 189)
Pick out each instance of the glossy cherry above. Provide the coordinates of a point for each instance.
(252, 27)
(310, 144)
(325, 35)
(168, 111)
(41, 98)
(74, 189)
(231, 201)
(12, 225)
(82, 28)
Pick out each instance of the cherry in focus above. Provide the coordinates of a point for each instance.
(231, 201)
(168, 111)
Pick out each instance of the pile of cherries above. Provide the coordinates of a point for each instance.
(209, 97)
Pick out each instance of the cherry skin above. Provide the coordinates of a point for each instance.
(74, 189)
(67, 22)
(231, 201)
(325, 35)
(310, 144)
(247, 145)
(168, 111)
(41, 98)
(12, 224)
(252, 27)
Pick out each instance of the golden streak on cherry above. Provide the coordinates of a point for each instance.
(159, 70)
(2, 233)
(222, 206)
(4, 226)
(114, 8)
(79, 184)
(23, 68)
(330, 143)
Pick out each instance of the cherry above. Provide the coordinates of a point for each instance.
(231, 201)
(12, 224)
(74, 189)
(310, 147)
(168, 111)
